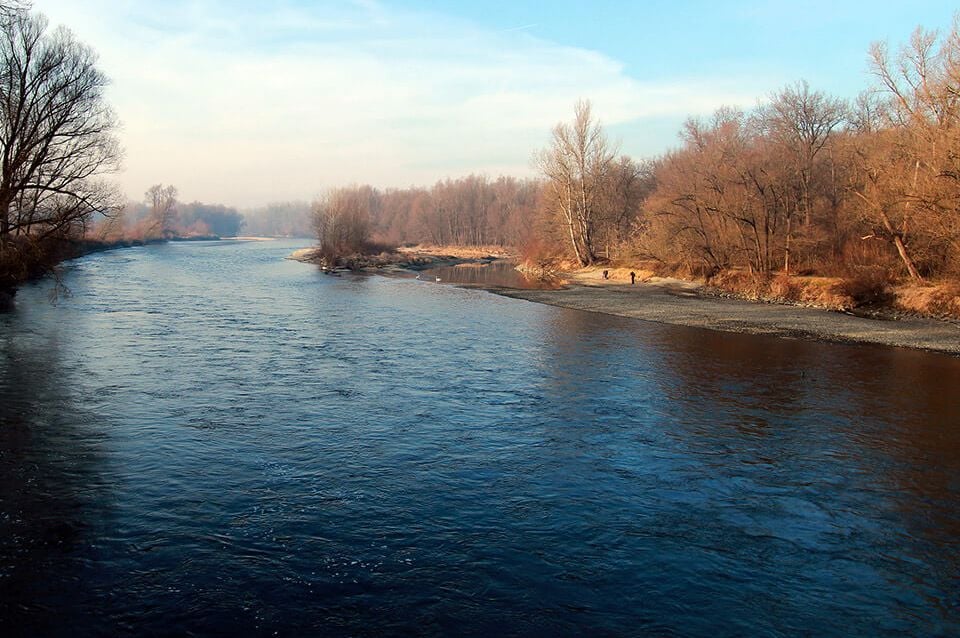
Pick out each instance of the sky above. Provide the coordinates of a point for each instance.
(246, 102)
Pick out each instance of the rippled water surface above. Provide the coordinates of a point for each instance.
(205, 438)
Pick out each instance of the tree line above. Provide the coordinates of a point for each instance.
(473, 210)
(805, 183)
(162, 216)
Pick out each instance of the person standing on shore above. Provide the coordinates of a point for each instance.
(633, 277)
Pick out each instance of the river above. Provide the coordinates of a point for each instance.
(205, 438)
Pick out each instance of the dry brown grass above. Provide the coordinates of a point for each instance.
(821, 292)
(868, 287)
(547, 267)
(938, 300)
(740, 283)
(458, 252)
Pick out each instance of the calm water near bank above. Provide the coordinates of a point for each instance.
(500, 272)
(207, 438)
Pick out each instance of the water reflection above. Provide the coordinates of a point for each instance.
(498, 273)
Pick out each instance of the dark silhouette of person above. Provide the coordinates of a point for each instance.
(606, 274)
(633, 277)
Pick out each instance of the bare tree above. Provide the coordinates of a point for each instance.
(911, 169)
(628, 185)
(801, 122)
(577, 164)
(162, 201)
(9, 9)
(56, 132)
(342, 218)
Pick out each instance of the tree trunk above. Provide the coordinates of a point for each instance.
(908, 262)
(587, 238)
(901, 247)
(786, 249)
(4, 219)
(759, 249)
(576, 247)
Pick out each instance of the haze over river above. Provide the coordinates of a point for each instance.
(207, 438)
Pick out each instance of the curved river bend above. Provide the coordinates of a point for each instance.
(205, 438)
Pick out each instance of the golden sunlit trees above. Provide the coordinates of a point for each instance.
(733, 194)
(909, 169)
(715, 205)
(804, 183)
(471, 210)
(800, 123)
(627, 185)
(577, 166)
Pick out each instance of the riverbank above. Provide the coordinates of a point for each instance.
(680, 302)
(686, 303)
(405, 258)
(27, 261)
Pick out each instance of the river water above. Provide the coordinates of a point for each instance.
(498, 273)
(204, 438)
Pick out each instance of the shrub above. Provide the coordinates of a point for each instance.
(869, 286)
(939, 300)
(784, 288)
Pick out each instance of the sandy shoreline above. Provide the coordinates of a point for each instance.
(680, 303)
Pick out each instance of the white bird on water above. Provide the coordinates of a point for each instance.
(438, 279)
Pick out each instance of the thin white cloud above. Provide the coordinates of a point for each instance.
(240, 104)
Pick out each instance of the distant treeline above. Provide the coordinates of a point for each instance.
(280, 219)
(472, 210)
(162, 215)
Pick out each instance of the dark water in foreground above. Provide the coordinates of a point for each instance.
(208, 439)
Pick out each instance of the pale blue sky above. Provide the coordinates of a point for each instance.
(248, 102)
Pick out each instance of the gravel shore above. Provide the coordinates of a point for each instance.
(682, 303)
